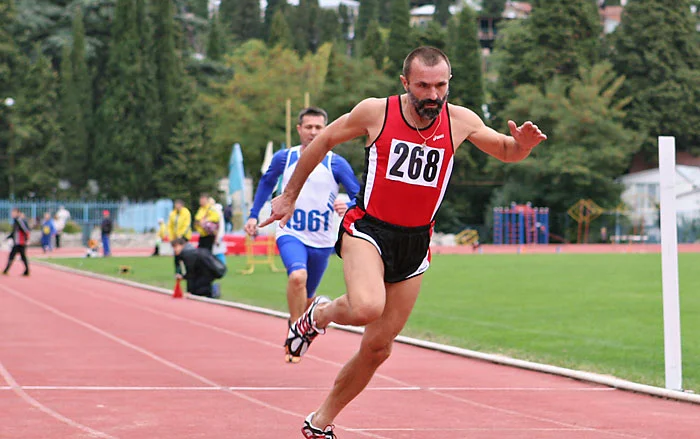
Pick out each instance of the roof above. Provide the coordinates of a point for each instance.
(324, 4)
(429, 10)
(611, 13)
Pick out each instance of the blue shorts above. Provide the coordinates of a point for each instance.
(297, 256)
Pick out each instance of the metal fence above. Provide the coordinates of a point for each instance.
(137, 217)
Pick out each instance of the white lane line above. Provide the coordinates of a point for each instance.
(534, 417)
(436, 429)
(9, 379)
(195, 388)
(400, 382)
(162, 360)
(302, 389)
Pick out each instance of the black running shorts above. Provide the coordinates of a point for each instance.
(404, 250)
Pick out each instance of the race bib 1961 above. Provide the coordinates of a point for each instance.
(414, 164)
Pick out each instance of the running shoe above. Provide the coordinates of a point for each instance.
(302, 332)
(289, 358)
(311, 432)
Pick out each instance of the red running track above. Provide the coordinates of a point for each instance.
(85, 358)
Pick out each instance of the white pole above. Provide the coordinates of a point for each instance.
(669, 263)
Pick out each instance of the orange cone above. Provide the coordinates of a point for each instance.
(177, 293)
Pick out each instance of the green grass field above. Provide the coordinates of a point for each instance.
(599, 313)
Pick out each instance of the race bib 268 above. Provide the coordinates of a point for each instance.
(414, 164)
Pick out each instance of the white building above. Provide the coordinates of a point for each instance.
(641, 196)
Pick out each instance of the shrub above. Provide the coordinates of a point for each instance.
(72, 227)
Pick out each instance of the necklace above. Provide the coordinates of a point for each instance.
(425, 139)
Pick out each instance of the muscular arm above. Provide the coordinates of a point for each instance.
(469, 126)
(268, 182)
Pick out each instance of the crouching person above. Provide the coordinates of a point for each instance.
(198, 267)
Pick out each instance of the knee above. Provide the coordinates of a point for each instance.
(376, 352)
(365, 312)
(297, 279)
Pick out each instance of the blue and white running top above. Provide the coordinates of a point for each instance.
(312, 222)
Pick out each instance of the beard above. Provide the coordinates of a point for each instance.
(421, 106)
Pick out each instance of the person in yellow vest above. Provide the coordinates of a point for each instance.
(161, 236)
(206, 222)
(179, 226)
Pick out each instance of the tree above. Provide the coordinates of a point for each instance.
(250, 109)
(493, 8)
(345, 21)
(127, 142)
(168, 73)
(587, 145)
(384, 12)
(307, 26)
(557, 39)
(369, 10)
(373, 45)
(12, 63)
(656, 46)
(200, 8)
(280, 34)
(74, 136)
(215, 49)
(242, 18)
(400, 41)
(83, 87)
(442, 11)
(432, 35)
(466, 86)
(189, 168)
(329, 29)
(38, 149)
(270, 11)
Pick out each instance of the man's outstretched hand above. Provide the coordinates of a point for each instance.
(527, 135)
(282, 210)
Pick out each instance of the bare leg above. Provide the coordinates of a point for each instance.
(364, 278)
(296, 294)
(374, 350)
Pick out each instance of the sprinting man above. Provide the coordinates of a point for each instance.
(20, 240)
(307, 243)
(384, 240)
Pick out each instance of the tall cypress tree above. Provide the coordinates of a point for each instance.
(189, 169)
(38, 158)
(369, 10)
(373, 45)
(280, 33)
(559, 38)
(656, 46)
(215, 49)
(73, 134)
(466, 86)
(169, 72)
(401, 39)
(442, 11)
(83, 88)
(127, 140)
(270, 10)
(241, 17)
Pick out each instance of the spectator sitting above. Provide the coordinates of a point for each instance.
(93, 249)
(201, 268)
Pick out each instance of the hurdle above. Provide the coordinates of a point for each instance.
(252, 261)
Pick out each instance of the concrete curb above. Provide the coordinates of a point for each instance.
(604, 380)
